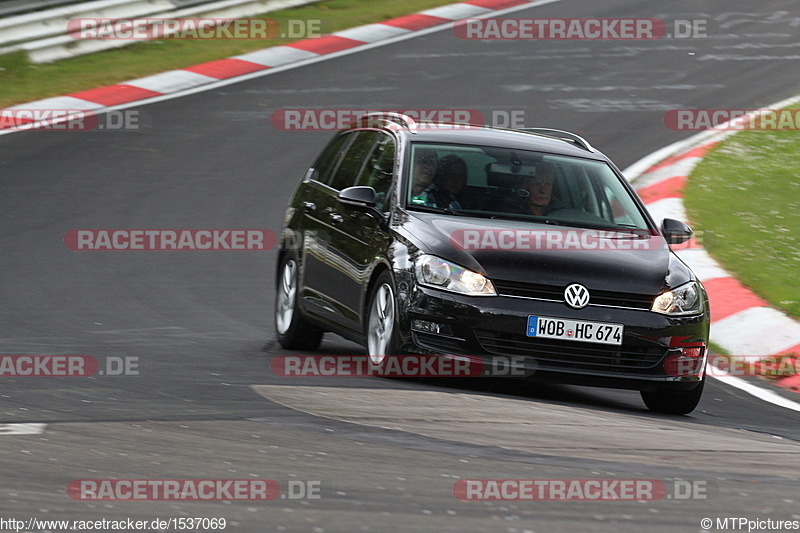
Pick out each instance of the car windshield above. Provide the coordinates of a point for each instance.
(520, 185)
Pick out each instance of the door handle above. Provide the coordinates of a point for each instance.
(336, 218)
(309, 207)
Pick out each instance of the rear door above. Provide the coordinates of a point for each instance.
(316, 231)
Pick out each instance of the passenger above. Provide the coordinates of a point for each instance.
(539, 201)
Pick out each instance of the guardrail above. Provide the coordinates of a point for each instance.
(10, 8)
(43, 36)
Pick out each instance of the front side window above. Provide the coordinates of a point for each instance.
(379, 170)
(324, 166)
(518, 184)
(350, 167)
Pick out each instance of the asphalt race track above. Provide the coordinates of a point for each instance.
(385, 454)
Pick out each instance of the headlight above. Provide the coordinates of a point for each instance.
(684, 300)
(440, 274)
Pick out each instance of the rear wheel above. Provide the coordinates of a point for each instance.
(382, 327)
(294, 333)
(673, 402)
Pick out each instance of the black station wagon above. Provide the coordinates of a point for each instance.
(473, 241)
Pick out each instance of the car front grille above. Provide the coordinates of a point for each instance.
(556, 293)
(554, 353)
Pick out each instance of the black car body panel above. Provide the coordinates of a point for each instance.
(341, 250)
(619, 270)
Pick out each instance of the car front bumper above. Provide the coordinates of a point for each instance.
(494, 327)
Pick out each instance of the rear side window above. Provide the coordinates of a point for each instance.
(350, 167)
(379, 170)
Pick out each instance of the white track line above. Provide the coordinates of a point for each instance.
(754, 390)
(21, 429)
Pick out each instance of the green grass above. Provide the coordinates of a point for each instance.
(717, 349)
(23, 82)
(746, 196)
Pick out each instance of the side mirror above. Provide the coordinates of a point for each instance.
(363, 198)
(675, 231)
(358, 196)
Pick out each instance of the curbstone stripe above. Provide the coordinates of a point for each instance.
(222, 69)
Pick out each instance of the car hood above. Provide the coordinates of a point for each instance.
(599, 260)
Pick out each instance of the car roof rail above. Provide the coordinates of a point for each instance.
(560, 134)
(398, 119)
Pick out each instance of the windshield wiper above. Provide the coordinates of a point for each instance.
(445, 210)
(583, 225)
(521, 217)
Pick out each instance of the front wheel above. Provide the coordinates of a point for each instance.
(294, 333)
(673, 402)
(382, 326)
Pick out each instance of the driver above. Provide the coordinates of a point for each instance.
(424, 170)
(449, 182)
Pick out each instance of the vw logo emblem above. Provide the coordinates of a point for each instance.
(576, 295)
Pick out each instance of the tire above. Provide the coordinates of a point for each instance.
(673, 402)
(382, 323)
(294, 333)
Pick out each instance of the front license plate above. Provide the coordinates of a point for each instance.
(574, 330)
